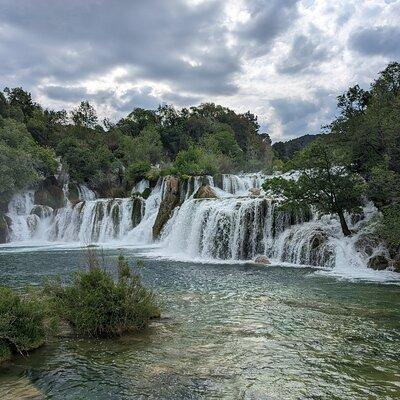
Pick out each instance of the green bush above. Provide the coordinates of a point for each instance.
(96, 306)
(24, 323)
(136, 171)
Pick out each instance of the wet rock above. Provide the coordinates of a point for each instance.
(262, 260)
(42, 211)
(73, 193)
(367, 243)
(50, 194)
(168, 204)
(205, 192)
(137, 211)
(379, 262)
(5, 223)
(255, 192)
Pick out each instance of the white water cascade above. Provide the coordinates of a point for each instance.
(239, 224)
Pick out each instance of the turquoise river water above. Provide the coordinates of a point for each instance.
(228, 331)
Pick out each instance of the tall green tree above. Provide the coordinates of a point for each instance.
(84, 115)
(325, 182)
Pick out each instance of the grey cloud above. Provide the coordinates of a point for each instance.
(300, 117)
(306, 53)
(268, 18)
(380, 40)
(70, 41)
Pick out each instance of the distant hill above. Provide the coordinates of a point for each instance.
(285, 150)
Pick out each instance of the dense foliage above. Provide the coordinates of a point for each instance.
(24, 323)
(97, 306)
(204, 139)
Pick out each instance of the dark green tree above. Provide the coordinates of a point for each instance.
(84, 115)
(325, 182)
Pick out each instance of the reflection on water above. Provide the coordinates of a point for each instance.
(229, 331)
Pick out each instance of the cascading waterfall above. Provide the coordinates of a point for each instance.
(239, 224)
(89, 220)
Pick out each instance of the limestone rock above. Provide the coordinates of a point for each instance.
(262, 260)
(5, 223)
(205, 192)
(169, 202)
(255, 192)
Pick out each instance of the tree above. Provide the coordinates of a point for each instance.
(84, 115)
(324, 182)
(22, 100)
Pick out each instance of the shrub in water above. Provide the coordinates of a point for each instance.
(23, 323)
(97, 306)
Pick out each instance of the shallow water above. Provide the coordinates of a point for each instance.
(229, 331)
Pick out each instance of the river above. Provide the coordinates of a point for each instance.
(228, 331)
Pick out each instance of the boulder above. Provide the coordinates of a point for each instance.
(379, 262)
(168, 204)
(255, 192)
(262, 260)
(205, 192)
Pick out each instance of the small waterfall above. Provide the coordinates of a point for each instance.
(231, 228)
(85, 193)
(90, 220)
(23, 223)
(240, 185)
(141, 186)
(98, 220)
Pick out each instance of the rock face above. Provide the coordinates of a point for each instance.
(169, 202)
(379, 262)
(5, 224)
(50, 194)
(255, 192)
(262, 260)
(205, 192)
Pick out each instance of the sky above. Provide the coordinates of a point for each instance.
(284, 60)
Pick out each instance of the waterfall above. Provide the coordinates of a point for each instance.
(237, 225)
(90, 220)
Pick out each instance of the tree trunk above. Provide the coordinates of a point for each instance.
(343, 224)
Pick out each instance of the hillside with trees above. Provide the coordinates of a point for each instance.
(112, 157)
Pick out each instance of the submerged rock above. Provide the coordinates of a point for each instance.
(205, 192)
(262, 260)
(169, 202)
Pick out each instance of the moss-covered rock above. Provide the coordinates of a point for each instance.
(5, 223)
(168, 204)
(137, 210)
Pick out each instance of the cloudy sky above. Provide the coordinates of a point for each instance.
(285, 60)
